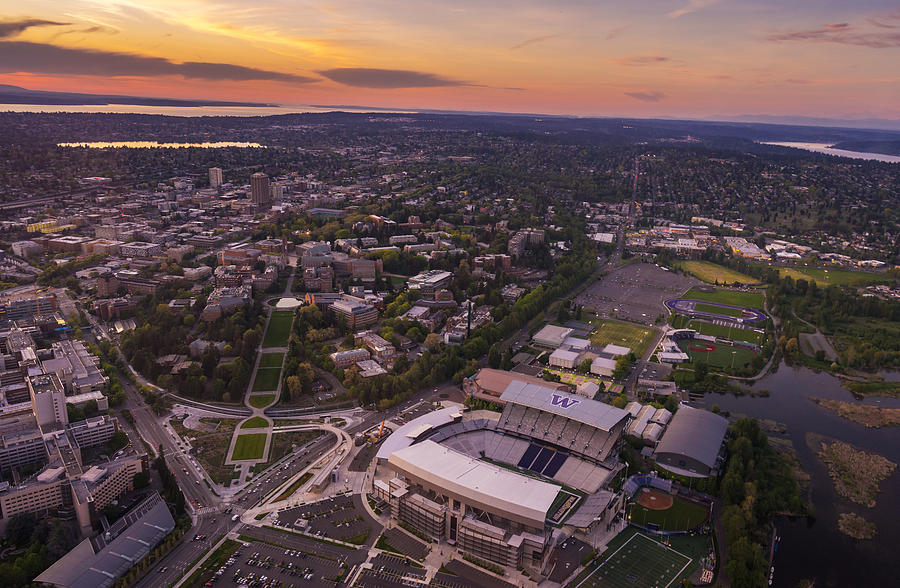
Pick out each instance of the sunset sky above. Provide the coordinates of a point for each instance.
(699, 58)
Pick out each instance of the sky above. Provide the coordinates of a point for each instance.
(678, 58)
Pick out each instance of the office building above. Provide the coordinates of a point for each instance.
(260, 194)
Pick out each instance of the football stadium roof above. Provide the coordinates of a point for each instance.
(578, 408)
(407, 434)
(478, 483)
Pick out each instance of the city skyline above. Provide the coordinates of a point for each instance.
(681, 58)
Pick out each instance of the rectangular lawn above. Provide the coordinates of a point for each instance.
(618, 333)
(639, 561)
(249, 446)
(266, 379)
(712, 273)
(722, 310)
(733, 333)
(733, 297)
(720, 358)
(271, 360)
(261, 400)
(279, 329)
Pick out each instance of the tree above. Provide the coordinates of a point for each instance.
(118, 440)
(585, 366)
(494, 357)
(20, 527)
(433, 342)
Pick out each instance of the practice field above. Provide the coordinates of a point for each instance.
(266, 379)
(271, 360)
(680, 516)
(716, 309)
(634, 337)
(716, 355)
(713, 273)
(726, 332)
(638, 562)
(837, 277)
(731, 297)
(279, 329)
(249, 446)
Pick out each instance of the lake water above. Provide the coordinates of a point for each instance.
(817, 549)
(154, 144)
(827, 149)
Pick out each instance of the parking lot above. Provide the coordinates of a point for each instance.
(341, 517)
(406, 544)
(260, 564)
(635, 292)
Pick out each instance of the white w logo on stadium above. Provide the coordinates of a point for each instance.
(563, 401)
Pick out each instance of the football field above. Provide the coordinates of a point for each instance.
(640, 561)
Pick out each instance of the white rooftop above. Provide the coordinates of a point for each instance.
(616, 350)
(400, 437)
(481, 482)
(552, 335)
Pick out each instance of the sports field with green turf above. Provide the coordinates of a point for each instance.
(271, 360)
(733, 333)
(719, 357)
(249, 446)
(733, 297)
(634, 337)
(713, 273)
(279, 329)
(715, 309)
(266, 379)
(632, 559)
(681, 516)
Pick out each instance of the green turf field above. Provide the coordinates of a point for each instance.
(271, 360)
(837, 277)
(618, 333)
(713, 273)
(733, 333)
(720, 358)
(733, 297)
(682, 516)
(266, 379)
(279, 329)
(255, 423)
(639, 561)
(249, 446)
(722, 310)
(261, 400)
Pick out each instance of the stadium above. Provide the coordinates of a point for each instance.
(499, 485)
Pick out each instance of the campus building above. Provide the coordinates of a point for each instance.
(692, 444)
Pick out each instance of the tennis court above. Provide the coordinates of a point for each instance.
(638, 562)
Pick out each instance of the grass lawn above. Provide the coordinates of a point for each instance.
(210, 448)
(283, 442)
(715, 309)
(255, 423)
(576, 379)
(279, 329)
(266, 379)
(618, 333)
(733, 333)
(733, 297)
(271, 360)
(712, 273)
(682, 516)
(837, 277)
(294, 487)
(633, 559)
(249, 446)
(261, 400)
(720, 358)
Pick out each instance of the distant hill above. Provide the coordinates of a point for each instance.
(16, 95)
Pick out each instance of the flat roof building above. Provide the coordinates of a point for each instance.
(692, 443)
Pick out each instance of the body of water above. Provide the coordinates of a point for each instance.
(818, 550)
(827, 149)
(154, 144)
